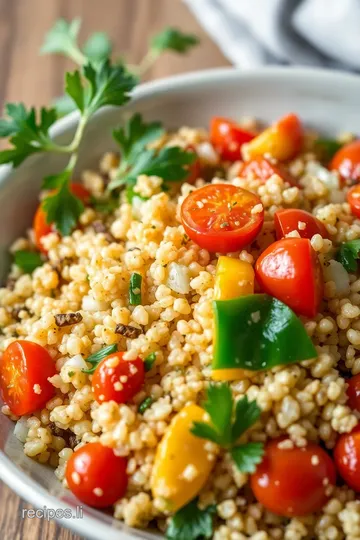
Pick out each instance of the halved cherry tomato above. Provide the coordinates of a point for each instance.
(194, 168)
(24, 371)
(227, 137)
(289, 270)
(96, 475)
(117, 379)
(40, 225)
(293, 219)
(353, 198)
(347, 162)
(222, 217)
(353, 392)
(283, 140)
(347, 457)
(262, 169)
(293, 481)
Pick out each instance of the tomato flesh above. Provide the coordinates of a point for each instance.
(96, 475)
(262, 169)
(289, 270)
(117, 379)
(353, 198)
(347, 162)
(24, 371)
(227, 137)
(303, 222)
(194, 168)
(353, 392)
(293, 481)
(222, 217)
(347, 457)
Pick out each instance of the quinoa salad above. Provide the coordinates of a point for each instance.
(188, 353)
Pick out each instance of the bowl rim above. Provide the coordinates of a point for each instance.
(15, 477)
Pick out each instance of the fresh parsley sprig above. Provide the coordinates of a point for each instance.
(228, 423)
(191, 522)
(349, 254)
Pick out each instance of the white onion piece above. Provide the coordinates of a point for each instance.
(207, 153)
(76, 362)
(329, 178)
(178, 278)
(90, 304)
(21, 429)
(336, 272)
(136, 204)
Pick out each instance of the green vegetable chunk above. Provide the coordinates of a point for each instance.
(328, 147)
(27, 260)
(149, 361)
(191, 523)
(258, 332)
(348, 255)
(145, 404)
(135, 289)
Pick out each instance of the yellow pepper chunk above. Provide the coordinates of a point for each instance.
(182, 465)
(235, 374)
(233, 278)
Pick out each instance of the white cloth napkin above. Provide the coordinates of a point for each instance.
(304, 32)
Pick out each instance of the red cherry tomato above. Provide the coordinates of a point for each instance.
(293, 481)
(24, 371)
(347, 457)
(194, 168)
(222, 217)
(262, 169)
(96, 475)
(227, 137)
(353, 198)
(353, 392)
(303, 222)
(289, 270)
(117, 379)
(40, 225)
(347, 162)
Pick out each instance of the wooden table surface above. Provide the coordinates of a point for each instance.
(24, 76)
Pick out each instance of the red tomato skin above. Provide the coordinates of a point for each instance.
(353, 198)
(287, 220)
(353, 392)
(194, 168)
(221, 240)
(262, 169)
(105, 377)
(287, 267)
(347, 458)
(96, 466)
(347, 162)
(288, 483)
(23, 365)
(227, 137)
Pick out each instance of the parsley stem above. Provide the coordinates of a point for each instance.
(146, 63)
(74, 145)
(77, 56)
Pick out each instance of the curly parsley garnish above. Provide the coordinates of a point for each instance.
(191, 522)
(228, 423)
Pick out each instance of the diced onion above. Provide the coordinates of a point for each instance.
(90, 304)
(329, 178)
(21, 429)
(336, 272)
(76, 362)
(178, 278)
(207, 153)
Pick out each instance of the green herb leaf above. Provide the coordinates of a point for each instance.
(135, 136)
(172, 39)
(247, 413)
(328, 147)
(98, 47)
(219, 406)
(62, 39)
(27, 260)
(131, 195)
(145, 404)
(97, 357)
(135, 289)
(105, 206)
(247, 456)
(349, 254)
(63, 208)
(191, 523)
(204, 431)
(149, 361)
(64, 105)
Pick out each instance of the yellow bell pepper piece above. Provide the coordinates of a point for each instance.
(233, 278)
(235, 374)
(182, 465)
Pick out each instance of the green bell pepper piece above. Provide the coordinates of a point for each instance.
(258, 332)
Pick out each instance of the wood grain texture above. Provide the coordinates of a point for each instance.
(24, 76)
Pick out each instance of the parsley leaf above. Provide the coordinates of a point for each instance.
(191, 523)
(97, 357)
(219, 406)
(247, 456)
(172, 39)
(63, 209)
(149, 361)
(62, 39)
(348, 254)
(27, 260)
(105, 206)
(98, 47)
(328, 147)
(246, 414)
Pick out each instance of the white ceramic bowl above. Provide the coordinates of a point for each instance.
(325, 100)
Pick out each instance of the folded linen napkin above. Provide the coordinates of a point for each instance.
(303, 32)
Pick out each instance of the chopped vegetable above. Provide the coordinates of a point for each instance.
(233, 278)
(347, 162)
(353, 198)
(127, 331)
(349, 254)
(262, 169)
(258, 332)
(191, 523)
(135, 289)
(347, 458)
(178, 278)
(222, 217)
(182, 462)
(294, 219)
(27, 260)
(334, 271)
(287, 267)
(283, 140)
(145, 404)
(293, 481)
(353, 392)
(227, 137)
(95, 358)
(327, 148)
(67, 319)
(149, 361)
(226, 427)
(96, 475)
